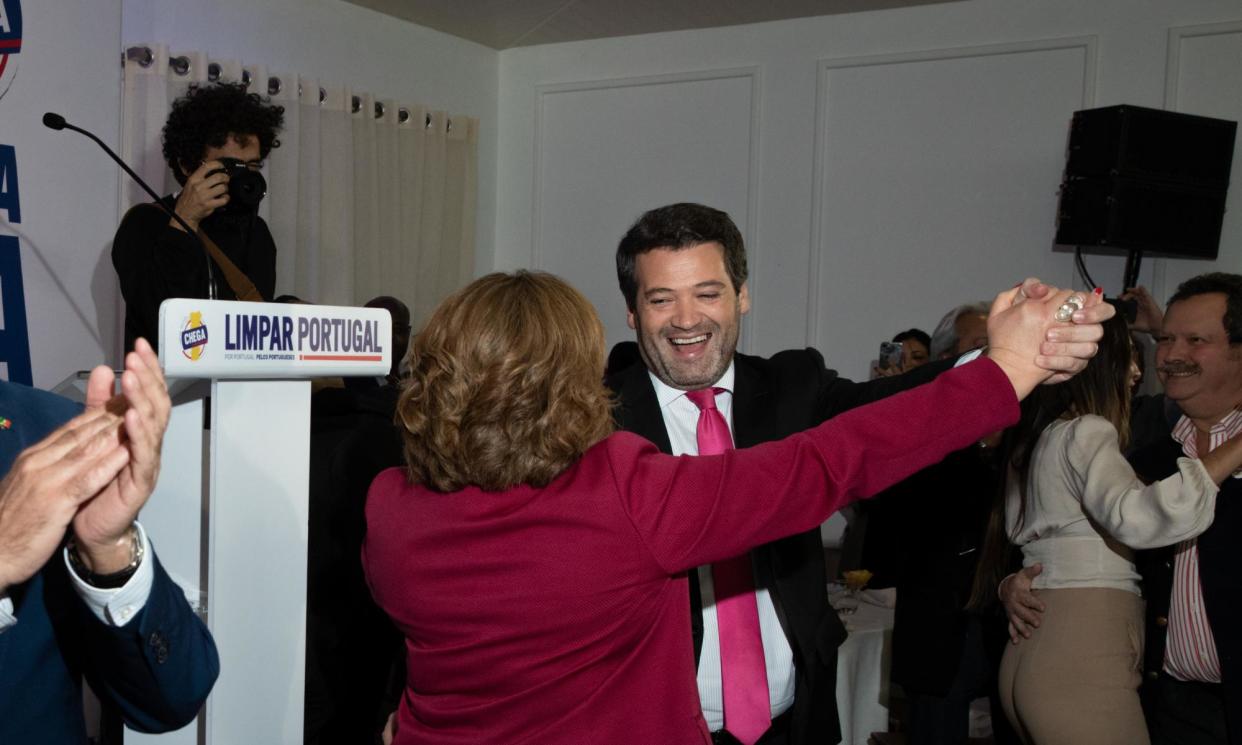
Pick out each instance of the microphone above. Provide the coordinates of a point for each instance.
(57, 122)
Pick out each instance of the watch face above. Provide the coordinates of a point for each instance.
(107, 581)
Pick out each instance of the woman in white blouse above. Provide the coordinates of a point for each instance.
(1074, 505)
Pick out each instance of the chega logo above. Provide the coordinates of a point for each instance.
(193, 336)
(10, 42)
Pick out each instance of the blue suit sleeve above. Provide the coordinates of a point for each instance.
(158, 668)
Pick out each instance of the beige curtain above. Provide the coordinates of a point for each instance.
(366, 196)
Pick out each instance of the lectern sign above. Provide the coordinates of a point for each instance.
(219, 338)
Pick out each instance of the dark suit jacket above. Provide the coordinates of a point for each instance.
(937, 520)
(156, 670)
(351, 646)
(774, 398)
(1220, 573)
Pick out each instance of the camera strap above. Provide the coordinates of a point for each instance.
(241, 285)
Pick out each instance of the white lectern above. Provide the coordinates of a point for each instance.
(228, 518)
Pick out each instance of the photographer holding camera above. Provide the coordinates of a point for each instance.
(215, 140)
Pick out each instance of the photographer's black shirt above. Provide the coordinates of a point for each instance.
(155, 261)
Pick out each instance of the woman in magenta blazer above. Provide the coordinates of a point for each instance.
(535, 561)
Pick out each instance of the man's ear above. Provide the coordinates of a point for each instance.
(630, 320)
(743, 299)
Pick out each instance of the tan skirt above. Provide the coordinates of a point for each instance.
(1076, 679)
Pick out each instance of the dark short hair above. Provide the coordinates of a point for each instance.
(675, 227)
(399, 311)
(207, 114)
(1229, 285)
(918, 335)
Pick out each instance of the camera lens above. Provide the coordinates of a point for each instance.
(246, 189)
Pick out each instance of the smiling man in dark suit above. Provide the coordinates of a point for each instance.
(682, 270)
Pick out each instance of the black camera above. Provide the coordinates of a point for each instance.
(247, 187)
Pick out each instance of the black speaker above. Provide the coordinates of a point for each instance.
(1139, 143)
(1159, 218)
(1138, 178)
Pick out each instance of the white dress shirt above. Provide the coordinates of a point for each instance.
(681, 419)
(114, 607)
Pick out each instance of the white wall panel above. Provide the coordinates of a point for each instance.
(610, 150)
(1205, 78)
(946, 182)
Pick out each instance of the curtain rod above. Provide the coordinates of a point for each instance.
(143, 56)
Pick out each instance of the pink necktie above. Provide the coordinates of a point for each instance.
(744, 677)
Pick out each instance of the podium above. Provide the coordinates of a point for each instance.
(228, 517)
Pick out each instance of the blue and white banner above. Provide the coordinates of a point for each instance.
(10, 42)
(58, 193)
(231, 339)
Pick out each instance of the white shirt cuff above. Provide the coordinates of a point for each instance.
(117, 607)
(7, 619)
(970, 356)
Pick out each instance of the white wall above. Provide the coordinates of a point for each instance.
(883, 166)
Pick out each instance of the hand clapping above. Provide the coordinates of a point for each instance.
(95, 473)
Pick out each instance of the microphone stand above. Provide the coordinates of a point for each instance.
(57, 122)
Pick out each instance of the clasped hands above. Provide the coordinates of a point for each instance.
(1028, 342)
(92, 474)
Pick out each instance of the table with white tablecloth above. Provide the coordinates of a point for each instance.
(863, 663)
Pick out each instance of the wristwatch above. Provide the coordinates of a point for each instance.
(112, 580)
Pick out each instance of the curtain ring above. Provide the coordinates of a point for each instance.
(355, 104)
(427, 124)
(379, 110)
(323, 95)
(179, 65)
(273, 86)
(141, 55)
(213, 72)
(299, 89)
(448, 125)
(245, 78)
(403, 115)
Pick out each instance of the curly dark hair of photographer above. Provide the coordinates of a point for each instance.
(205, 117)
(506, 385)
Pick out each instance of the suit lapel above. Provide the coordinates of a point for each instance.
(753, 420)
(639, 411)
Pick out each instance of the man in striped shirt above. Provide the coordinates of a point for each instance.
(1192, 688)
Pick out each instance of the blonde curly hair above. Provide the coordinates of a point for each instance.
(506, 385)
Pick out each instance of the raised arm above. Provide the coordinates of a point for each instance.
(693, 511)
(1141, 516)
